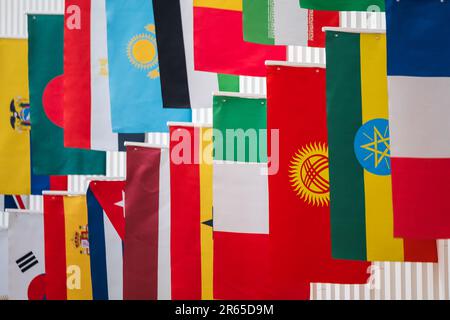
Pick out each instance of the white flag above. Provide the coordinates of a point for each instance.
(26, 264)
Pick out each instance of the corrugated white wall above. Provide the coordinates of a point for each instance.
(401, 281)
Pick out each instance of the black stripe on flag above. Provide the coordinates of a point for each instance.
(171, 54)
(130, 137)
(26, 262)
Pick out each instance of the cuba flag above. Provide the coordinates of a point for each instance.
(106, 222)
(134, 77)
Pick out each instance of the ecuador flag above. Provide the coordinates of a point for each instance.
(362, 220)
(16, 176)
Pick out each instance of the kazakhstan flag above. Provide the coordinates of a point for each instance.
(136, 99)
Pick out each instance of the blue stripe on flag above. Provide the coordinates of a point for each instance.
(135, 87)
(38, 183)
(97, 248)
(422, 27)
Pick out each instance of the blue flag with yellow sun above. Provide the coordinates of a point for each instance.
(134, 79)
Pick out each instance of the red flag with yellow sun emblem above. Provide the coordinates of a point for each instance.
(299, 192)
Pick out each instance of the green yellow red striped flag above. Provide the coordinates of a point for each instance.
(362, 223)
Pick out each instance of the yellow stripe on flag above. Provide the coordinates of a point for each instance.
(79, 284)
(206, 203)
(15, 172)
(381, 244)
(235, 5)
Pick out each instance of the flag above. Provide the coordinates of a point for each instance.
(418, 80)
(219, 44)
(362, 220)
(66, 234)
(191, 211)
(134, 75)
(86, 81)
(14, 202)
(106, 221)
(45, 55)
(228, 83)
(283, 22)
(147, 261)
(4, 261)
(171, 54)
(15, 156)
(299, 190)
(26, 264)
(241, 200)
(241, 121)
(201, 84)
(344, 5)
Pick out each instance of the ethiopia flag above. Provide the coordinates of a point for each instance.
(67, 252)
(191, 211)
(45, 56)
(344, 5)
(299, 192)
(219, 44)
(419, 78)
(283, 22)
(362, 219)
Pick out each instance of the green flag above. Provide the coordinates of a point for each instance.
(45, 59)
(240, 128)
(228, 82)
(344, 5)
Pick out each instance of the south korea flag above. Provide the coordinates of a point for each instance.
(26, 265)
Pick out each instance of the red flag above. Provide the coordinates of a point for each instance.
(220, 47)
(110, 195)
(55, 262)
(77, 71)
(191, 213)
(299, 192)
(147, 224)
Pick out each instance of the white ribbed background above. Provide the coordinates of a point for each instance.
(401, 281)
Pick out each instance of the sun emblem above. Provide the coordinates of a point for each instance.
(309, 174)
(142, 52)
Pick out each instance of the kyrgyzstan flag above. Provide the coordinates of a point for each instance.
(219, 43)
(45, 57)
(26, 264)
(299, 192)
(67, 252)
(419, 113)
(191, 232)
(86, 80)
(147, 260)
(106, 219)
